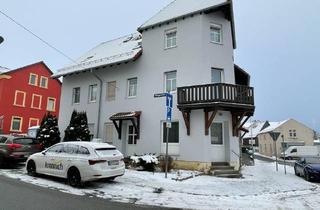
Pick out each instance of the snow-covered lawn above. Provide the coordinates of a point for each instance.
(261, 188)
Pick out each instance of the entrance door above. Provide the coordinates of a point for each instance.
(218, 143)
(131, 140)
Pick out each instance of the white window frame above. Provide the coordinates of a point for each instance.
(129, 87)
(212, 31)
(134, 135)
(92, 98)
(54, 104)
(20, 125)
(24, 98)
(33, 99)
(221, 74)
(36, 79)
(74, 95)
(171, 81)
(223, 140)
(167, 32)
(46, 83)
(33, 120)
(107, 134)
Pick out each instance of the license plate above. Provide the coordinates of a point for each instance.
(113, 162)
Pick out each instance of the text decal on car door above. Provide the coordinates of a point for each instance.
(58, 165)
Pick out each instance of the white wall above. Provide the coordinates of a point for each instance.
(193, 59)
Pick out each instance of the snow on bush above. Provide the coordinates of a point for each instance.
(146, 162)
(146, 158)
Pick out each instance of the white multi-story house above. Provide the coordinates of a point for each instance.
(186, 49)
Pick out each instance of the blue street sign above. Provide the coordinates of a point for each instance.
(169, 114)
(169, 100)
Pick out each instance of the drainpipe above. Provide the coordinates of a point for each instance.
(100, 101)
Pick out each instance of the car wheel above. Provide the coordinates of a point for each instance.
(74, 178)
(110, 179)
(296, 172)
(31, 168)
(307, 176)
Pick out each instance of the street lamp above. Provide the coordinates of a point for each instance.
(1, 39)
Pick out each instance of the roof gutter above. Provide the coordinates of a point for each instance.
(100, 102)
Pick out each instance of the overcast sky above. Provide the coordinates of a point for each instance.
(278, 43)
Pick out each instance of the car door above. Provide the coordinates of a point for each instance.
(52, 165)
(300, 167)
(69, 158)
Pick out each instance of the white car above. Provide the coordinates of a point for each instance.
(78, 162)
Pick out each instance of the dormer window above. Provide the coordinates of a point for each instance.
(216, 33)
(170, 38)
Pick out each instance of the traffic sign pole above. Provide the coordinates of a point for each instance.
(169, 101)
(275, 136)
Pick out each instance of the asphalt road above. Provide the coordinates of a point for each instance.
(17, 195)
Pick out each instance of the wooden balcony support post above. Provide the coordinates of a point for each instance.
(186, 117)
(209, 119)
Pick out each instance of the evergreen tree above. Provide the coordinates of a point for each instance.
(49, 133)
(78, 129)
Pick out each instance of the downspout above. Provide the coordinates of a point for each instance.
(100, 101)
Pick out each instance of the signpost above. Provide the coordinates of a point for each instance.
(275, 136)
(169, 101)
(284, 155)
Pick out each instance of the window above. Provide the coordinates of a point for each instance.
(76, 95)
(170, 38)
(173, 133)
(33, 122)
(19, 98)
(16, 124)
(132, 135)
(216, 33)
(1, 123)
(293, 151)
(56, 149)
(171, 81)
(33, 79)
(111, 91)
(83, 151)
(217, 133)
(36, 101)
(109, 133)
(51, 104)
(216, 75)
(71, 149)
(43, 82)
(292, 133)
(132, 87)
(93, 89)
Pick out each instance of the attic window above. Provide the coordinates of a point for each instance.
(216, 33)
(171, 38)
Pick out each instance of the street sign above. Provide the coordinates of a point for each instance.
(169, 100)
(169, 114)
(160, 95)
(274, 135)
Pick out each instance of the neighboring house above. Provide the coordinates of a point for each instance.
(294, 134)
(186, 49)
(253, 128)
(26, 94)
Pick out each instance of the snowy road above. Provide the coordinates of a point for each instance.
(261, 188)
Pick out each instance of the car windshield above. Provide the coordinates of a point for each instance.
(313, 160)
(105, 151)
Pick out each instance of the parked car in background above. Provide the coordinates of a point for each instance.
(33, 131)
(296, 152)
(308, 167)
(17, 148)
(78, 162)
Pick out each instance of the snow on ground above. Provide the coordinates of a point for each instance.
(261, 188)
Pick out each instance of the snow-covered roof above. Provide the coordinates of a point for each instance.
(273, 126)
(119, 50)
(3, 69)
(254, 128)
(180, 8)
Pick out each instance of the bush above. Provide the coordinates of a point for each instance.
(146, 162)
(162, 164)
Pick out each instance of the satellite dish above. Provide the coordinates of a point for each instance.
(1, 39)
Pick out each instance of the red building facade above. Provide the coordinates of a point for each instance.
(26, 94)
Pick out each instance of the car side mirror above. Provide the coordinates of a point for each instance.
(44, 152)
